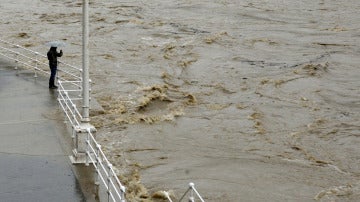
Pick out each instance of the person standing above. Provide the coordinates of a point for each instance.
(52, 56)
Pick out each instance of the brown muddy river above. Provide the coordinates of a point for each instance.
(251, 100)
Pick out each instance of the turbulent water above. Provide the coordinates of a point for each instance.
(251, 100)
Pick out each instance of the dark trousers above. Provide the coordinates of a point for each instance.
(53, 69)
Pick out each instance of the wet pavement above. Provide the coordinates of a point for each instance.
(33, 164)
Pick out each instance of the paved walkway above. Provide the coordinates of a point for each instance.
(33, 166)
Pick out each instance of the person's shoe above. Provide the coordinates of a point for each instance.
(53, 87)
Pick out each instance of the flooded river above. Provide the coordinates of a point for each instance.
(251, 100)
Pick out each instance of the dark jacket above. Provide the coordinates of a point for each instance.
(52, 56)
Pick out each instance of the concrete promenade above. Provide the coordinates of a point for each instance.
(34, 166)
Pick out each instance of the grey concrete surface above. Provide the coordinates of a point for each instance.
(33, 164)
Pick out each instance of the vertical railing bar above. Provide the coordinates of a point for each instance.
(191, 198)
(87, 152)
(108, 181)
(96, 176)
(36, 65)
(16, 63)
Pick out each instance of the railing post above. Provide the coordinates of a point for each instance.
(191, 197)
(108, 180)
(73, 109)
(123, 189)
(97, 170)
(16, 63)
(61, 101)
(36, 65)
(191, 187)
(76, 136)
(87, 152)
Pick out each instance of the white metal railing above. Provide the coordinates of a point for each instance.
(69, 84)
(38, 62)
(69, 92)
(104, 170)
(68, 106)
(192, 193)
